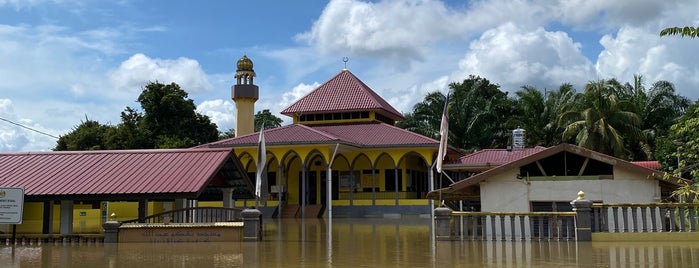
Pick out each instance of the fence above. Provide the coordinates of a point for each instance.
(606, 221)
(193, 215)
(657, 217)
(513, 226)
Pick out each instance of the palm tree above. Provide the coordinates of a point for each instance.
(426, 116)
(599, 122)
(537, 113)
(658, 108)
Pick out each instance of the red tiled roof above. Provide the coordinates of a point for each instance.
(648, 164)
(358, 134)
(123, 173)
(344, 92)
(290, 134)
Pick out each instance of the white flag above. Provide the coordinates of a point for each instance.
(261, 169)
(444, 139)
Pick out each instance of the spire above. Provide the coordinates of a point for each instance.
(244, 74)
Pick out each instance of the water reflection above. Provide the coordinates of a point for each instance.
(354, 243)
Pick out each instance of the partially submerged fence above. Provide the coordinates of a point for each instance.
(511, 226)
(193, 215)
(607, 221)
(657, 217)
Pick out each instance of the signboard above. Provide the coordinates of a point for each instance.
(11, 205)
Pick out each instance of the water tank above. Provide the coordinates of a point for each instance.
(518, 138)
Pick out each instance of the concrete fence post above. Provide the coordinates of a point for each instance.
(252, 224)
(583, 217)
(111, 231)
(442, 223)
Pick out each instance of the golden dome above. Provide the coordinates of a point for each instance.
(244, 64)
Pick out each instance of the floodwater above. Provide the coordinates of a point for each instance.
(354, 243)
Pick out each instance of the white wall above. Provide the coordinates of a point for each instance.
(505, 193)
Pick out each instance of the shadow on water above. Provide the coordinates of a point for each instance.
(404, 242)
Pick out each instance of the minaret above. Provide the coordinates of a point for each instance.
(244, 93)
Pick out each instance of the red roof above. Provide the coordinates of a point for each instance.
(648, 164)
(126, 174)
(488, 158)
(359, 135)
(344, 92)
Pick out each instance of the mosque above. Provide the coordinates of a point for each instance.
(342, 156)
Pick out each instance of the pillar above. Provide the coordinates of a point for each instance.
(583, 217)
(66, 225)
(252, 224)
(142, 210)
(442, 223)
(111, 231)
(227, 195)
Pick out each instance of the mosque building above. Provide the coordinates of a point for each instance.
(344, 131)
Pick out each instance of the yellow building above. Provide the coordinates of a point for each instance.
(344, 131)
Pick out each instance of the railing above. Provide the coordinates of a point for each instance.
(511, 226)
(379, 195)
(193, 215)
(657, 217)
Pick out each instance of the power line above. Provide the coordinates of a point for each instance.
(26, 127)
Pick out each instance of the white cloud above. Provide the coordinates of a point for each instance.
(512, 57)
(140, 69)
(636, 51)
(387, 29)
(21, 134)
(295, 94)
(221, 112)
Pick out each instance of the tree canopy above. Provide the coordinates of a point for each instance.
(169, 120)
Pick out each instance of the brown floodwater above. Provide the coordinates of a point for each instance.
(354, 243)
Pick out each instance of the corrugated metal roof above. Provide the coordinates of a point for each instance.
(343, 92)
(120, 172)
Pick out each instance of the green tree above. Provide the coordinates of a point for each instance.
(89, 135)
(426, 117)
(478, 112)
(537, 113)
(169, 120)
(685, 136)
(599, 122)
(266, 118)
(171, 117)
(658, 108)
(687, 31)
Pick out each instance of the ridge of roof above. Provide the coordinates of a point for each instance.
(343, 92)
(275, 136)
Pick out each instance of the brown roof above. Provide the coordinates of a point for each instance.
(116, 175)
(359, 134)
(342, 93)
(489, 158)
(463, 185)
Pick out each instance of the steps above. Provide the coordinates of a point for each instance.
(294, 211)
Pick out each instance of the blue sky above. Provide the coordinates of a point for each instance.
(62, 61)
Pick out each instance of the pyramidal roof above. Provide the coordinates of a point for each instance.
(342, 93)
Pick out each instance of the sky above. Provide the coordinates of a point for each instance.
(65, 61)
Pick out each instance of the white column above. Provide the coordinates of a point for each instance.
(227, 195)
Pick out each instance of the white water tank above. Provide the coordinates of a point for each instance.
(518, 138)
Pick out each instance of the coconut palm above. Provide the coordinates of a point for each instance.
(537, 113)
(599, 122)
(658, 108)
